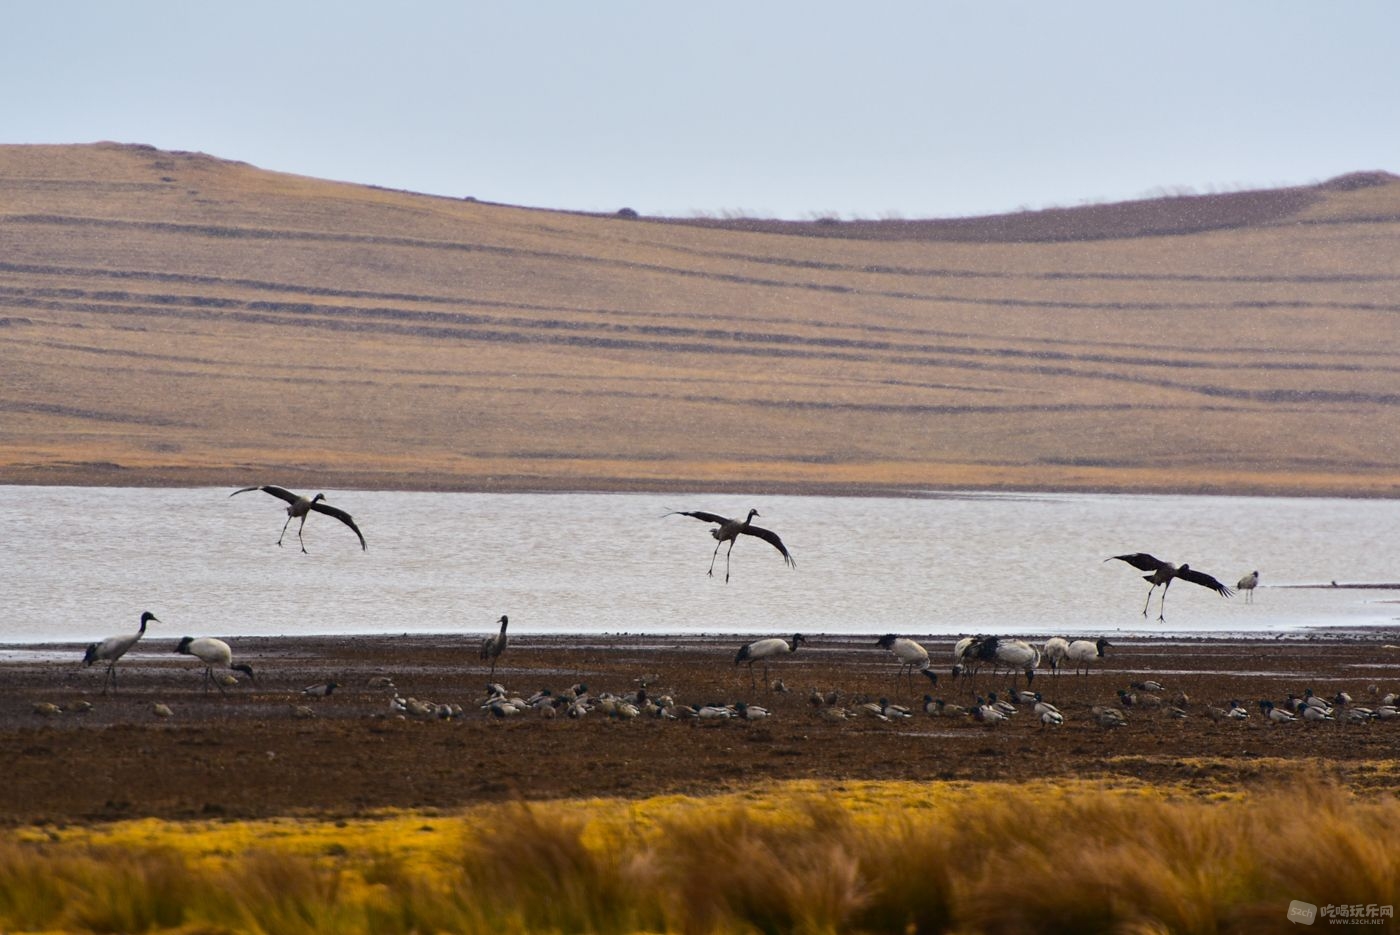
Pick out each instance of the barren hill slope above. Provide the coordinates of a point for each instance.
(172, 317)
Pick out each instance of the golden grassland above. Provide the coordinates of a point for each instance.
(1076, 856)
(177, 318)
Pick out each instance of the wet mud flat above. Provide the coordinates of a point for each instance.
(262, 748)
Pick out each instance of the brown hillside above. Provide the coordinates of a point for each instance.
(172, 317)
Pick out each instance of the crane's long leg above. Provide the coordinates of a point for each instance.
(299, 539)
(1149, 599)
(110, 677)
(284, 527)
(726, 560)
(1162, 608)
(715, 555)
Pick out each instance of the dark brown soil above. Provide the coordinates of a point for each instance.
(246, 754)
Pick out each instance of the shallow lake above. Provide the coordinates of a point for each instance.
(80, 563)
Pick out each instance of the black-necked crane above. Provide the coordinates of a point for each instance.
(1083, 652)
(113, 648)
(729, 530)
(1163, 573)
(763, 650)
(1247, 584)
(1055, 650)
(1001, 652)
(300, 506)
(964, 658)
(910, 654)
(215, 654)
(493, 646)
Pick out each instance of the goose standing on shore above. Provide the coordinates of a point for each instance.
(729, 530)
(113, 648)
(300, 506)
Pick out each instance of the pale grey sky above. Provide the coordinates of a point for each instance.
(789, 109)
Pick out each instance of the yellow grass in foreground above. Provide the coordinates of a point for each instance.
(1062, 857)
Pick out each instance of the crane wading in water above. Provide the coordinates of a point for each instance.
(1247, 584)
(729, 530)
(300, 505)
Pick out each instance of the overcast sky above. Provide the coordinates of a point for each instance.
(787, 109)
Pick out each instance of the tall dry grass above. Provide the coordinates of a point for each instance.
(987, 858)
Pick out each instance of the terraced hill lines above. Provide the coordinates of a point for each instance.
(164, 317)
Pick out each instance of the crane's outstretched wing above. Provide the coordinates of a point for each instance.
(280, 492)
(343, 516)
(1204, 580)
(767, 535)
(702, 516)
(1140, 560)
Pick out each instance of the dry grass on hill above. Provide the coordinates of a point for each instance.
(172, 317)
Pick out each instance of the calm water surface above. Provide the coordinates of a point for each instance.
(80, 563)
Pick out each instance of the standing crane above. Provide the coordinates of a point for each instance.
(493, 646)
(1002, 652)
(1083, 652)
(300, 506)
(763, 650)
(113, 648)
(1247, 584)
(729, 530)
(1162, 574)
(214, 654)
(910, 654)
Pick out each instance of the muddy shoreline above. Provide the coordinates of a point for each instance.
(249, 752)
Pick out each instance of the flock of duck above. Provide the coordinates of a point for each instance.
(971, 657)
(972, 654)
